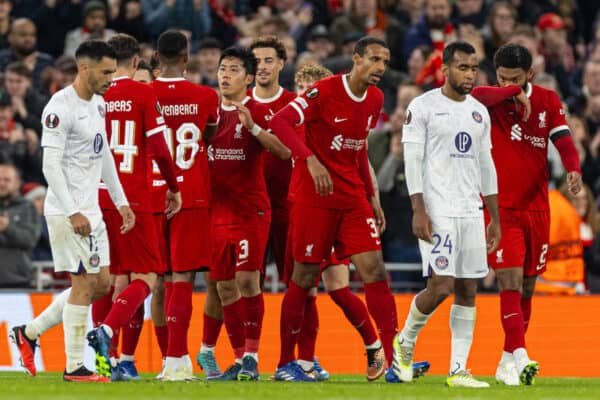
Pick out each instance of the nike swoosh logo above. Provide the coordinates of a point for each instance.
(336, 119)
(509, 315)
(237, 264)
(539, 267)
(82, 117)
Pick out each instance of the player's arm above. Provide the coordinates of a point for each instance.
(213, 119)
(209, 131)
(160, 153)
(414, 158)
(489, 187)
(491, 96)
(115, 189)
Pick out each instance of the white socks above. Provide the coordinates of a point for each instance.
(75, 326)
(306, 365)
(507, 358)
(521, 358)
(462, 323)
(375, 345)
(415, 321)
(50, 317)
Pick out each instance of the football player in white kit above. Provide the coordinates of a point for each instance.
(76, 157)
(448, 167)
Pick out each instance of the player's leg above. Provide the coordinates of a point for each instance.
(131, 335)
(157, 311)
(307, 338)
(211, 327)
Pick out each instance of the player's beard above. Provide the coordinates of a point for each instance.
(460, 89)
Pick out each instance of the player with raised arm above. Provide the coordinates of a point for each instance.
(520, 151)
(76, 157)
(191, 114)
(135, 132)
(449, 165)
(333, 202)
(241, 212)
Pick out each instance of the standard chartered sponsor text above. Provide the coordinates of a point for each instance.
(229, 154)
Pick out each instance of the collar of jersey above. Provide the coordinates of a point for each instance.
(232, 108)
(160, 78)
(120, 78)
(349, 92)
(270, 99)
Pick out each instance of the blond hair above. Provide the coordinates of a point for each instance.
(311, 73)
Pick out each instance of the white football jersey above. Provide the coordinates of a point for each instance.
(77, 126)
(454, 133)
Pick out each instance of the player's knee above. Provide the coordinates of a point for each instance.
(228, 291)
(248, 287)
(373, 271)
(101, 287)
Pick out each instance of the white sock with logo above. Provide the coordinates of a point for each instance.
(415, 321)
(75, 326)
(50, 317)
(462, 324)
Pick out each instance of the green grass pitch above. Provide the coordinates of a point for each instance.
(46, 386)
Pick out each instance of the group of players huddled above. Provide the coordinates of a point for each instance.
(193, 182)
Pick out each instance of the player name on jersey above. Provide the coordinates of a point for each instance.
(118, 106)
(179, 109)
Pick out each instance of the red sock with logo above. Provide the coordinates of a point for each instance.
(356, 312)
(210, 330)
(292, 319)
(382, 307)
(126, 304)
(101, 307)
(253, 318)
(307, 339)
(178, 318)
(168, 292)
(511, 318)
(132, 331)
(162, 337)
(233, 315)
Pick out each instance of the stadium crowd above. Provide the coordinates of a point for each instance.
(38, 39)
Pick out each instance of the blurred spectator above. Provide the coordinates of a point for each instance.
(93, 27)
(22, 39)
(60, 76)
(342, 63)
(525, 36)
(416, 61)
(54, 19)
(301, 15)
(432, 29)
(193, 72)
(364, 16)
(27, 103)
(405, 93)
(469, 12)
(127, 17)
(189, 15)
(501, 23)
(5, 9)
(209, 53)
(558, 53)
(18, 146)
(590, 86)
(547, 81)
(36, 193)
(319, 43)
(20, 226)
(223, 21)
(143, 72)
(564, 260)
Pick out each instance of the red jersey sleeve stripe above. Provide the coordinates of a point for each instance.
(158, 129)
(299, 111)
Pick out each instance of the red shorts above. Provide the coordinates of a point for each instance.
(289, 265)
(314, 231)
(189, 240)
(238, 248)
(278, 234)
(113, 222)
(525, 238)
(138, 250)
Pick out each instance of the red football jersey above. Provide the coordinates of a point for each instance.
(520, 148)
(278, 172)
(336, 127)
(187, 109)
(132, 115)
(236, 160)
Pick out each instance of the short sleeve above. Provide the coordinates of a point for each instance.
(415, 123)
(153, 119)
(307, 104)
(56, 123)
(556, 119)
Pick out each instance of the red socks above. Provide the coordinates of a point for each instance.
(162, 337)
(101, 307)
(382, 308)
(526, 309)
(132, 331)
(307, 339)
(168, 292)
(178, 315)
(211, 327)
(233, 318)
(126, 304)
(511, 318)
(292, 319)
(356, 312)
(253, 317)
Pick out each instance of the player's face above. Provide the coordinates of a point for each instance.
(100, 74)
(461, 72)
(268, 66)
(9, 182)
(142, 75)
(302, 86)
(372, 65)
(513, 76)
(233, 78)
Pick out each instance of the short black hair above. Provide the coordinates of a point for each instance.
(366, 41)
(513, 55)
(452, 48)
(248, 59)
(172, 44)
(270, 42)
(95, 49)
(126, 47)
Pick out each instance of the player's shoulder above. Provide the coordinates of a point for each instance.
(472, 101)
(424, 100)
(63, 96)
(255, 106)
(544, 95)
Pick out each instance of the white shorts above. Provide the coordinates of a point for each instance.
(75, 253)
(458, 248)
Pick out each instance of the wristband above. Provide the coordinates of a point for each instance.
(256, 129)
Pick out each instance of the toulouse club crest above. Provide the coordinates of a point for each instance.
(477, 117)
(441, 262)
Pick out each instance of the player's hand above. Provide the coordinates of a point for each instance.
(379, 215)
(128, 219)
(574, 182)
(524, 101)
(493, 236)
(172, 204)
(4, 221)
(422, 226)
(80, 223)
(320, 175)
(244, 115)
